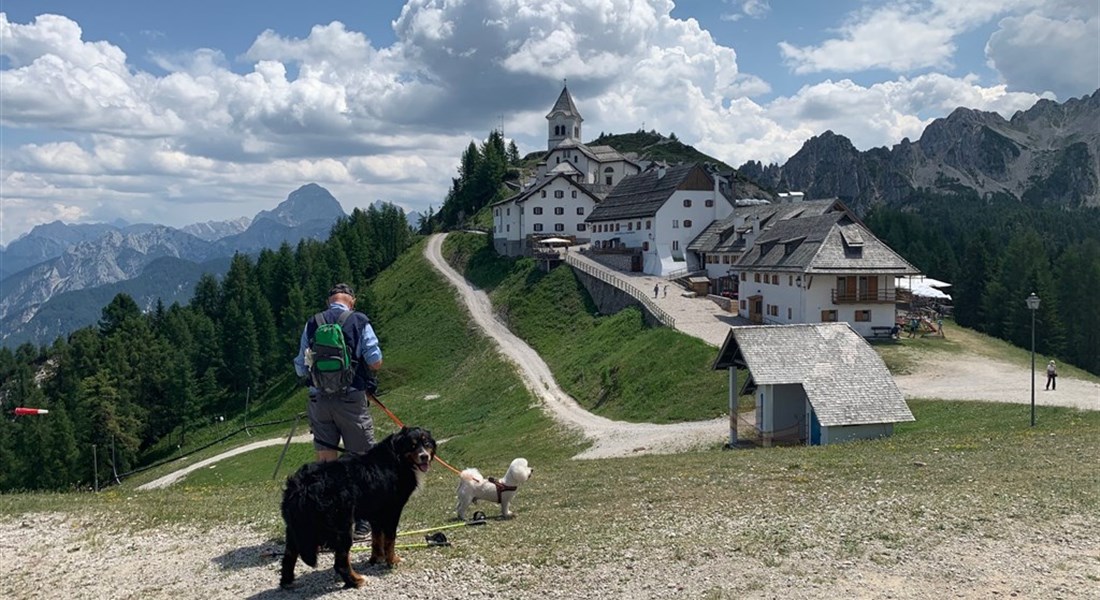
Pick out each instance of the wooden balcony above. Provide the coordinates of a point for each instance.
(864, 297)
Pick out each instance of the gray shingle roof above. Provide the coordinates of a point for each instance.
(641, 195)
(721, 237)
(524, 195)
(830, 243)
(845, 380)
(565, 104)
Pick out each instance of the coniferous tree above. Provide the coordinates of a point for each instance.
(117, 312)
(207, 298)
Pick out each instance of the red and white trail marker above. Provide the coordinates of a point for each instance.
(26, 412)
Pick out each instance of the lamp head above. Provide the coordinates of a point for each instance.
(1033, 301)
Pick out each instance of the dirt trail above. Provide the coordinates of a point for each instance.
(610, 438)
(175, 476)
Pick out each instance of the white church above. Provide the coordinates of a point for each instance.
(571, 180)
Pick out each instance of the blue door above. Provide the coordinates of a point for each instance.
(815, 429)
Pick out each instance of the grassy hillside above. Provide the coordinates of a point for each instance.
(965, 477)
(615, 366)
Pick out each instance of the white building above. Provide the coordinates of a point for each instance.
(556, 206)
(570, 180)
(654, 215)
(718, 248)
(821, 268)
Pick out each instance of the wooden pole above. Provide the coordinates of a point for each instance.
(733, 406)
(95, 468)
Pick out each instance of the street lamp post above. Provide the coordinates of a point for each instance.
(1033, 305)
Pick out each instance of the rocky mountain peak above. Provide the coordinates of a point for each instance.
(307, 203)
(1047, 153)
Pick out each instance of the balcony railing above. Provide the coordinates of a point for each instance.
(864, 297)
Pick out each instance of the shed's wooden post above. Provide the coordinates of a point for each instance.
(733, 406)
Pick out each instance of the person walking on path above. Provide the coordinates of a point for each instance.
(343, 415)
(666, 291)
(656, 289)
(1052, 376)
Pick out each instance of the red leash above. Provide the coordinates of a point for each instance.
(398, 422)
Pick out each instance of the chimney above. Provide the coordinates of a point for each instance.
(660, 171)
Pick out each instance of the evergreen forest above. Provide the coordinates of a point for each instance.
(138, 378)
(996, 252)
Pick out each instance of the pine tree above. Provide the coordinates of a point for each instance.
(121, 308)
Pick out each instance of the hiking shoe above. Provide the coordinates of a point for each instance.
(362, 531)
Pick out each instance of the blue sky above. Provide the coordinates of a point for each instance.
(185, 112)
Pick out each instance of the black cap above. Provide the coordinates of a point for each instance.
(341, 288)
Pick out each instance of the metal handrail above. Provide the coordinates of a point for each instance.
(666, 319)
(846, 297)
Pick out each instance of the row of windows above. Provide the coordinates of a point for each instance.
(707, 203)
(676, 223)
(827, 316)
(561, 193)
(557, 227)
(557, 210)
(726, 259)
(772, 278)
(539, 227)
(616, 227)
(538, 211)
(561, 129)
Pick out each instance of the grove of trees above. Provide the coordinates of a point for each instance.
(136, 377)
(996, 252)
(481, 173)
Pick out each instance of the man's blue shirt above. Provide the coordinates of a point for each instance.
(367, 351)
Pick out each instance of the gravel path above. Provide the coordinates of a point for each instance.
(610, 438)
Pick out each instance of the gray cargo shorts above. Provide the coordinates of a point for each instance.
(345, 416)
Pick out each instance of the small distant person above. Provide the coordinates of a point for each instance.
(656, 289)
(939, 325)
(1052, 376)
(666, 291)
(895, 331)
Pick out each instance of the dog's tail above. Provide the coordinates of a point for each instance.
(472, 475)
(299, 527)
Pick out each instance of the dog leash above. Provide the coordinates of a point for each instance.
(398, 422)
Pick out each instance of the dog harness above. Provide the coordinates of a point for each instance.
(501, 488)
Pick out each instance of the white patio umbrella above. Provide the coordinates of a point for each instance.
(555, 241)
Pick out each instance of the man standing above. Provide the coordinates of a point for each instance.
(1052, 376)
(344, 415)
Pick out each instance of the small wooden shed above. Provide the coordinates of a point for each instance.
(815, 383)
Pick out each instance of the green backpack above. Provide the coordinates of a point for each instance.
(332, 370)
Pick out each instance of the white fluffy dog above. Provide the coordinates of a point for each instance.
(473, 487)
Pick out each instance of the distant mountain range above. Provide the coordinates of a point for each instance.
(46, 268)
(1047, 154)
